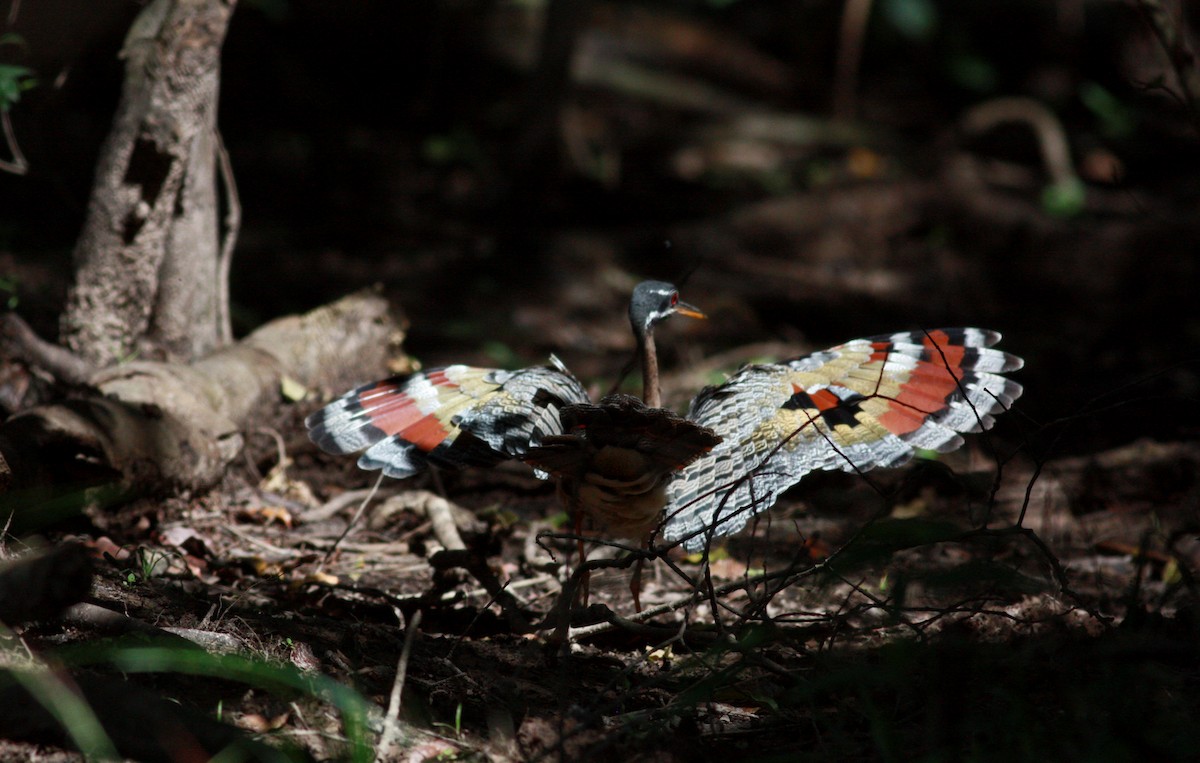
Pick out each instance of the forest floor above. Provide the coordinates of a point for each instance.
(996, 602)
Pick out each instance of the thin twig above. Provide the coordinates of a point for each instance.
(713, 594)
(334, 505)
(353, 521)
(560, 613)
(536, 555)
(391, 724)
(19, 165)
(233, 224)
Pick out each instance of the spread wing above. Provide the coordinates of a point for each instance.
(867, 403)
(453, 416)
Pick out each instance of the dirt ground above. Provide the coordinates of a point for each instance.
(1031, 596)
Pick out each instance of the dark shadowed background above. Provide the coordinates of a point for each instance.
(384, 142)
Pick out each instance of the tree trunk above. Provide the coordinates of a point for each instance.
(146, 264)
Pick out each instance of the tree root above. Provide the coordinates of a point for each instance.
(21, 342)
(155, 428)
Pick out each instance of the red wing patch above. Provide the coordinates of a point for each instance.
(388, 408)
(902, 419)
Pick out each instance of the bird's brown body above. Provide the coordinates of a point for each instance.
(613, 462)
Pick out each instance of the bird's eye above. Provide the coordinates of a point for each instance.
(674, 298)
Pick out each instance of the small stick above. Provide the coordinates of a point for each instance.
(233, 224)
(350, 525)
(391, 724)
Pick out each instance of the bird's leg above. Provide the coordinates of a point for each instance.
(586, 580)
(435, 476)
(575, 586)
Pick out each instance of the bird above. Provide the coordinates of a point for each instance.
(642, 472)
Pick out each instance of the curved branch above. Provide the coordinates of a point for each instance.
(1049, 132)
(19, 165)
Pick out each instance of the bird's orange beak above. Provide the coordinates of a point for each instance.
(683, 308)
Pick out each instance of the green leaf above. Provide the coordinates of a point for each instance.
(715, 553)
(1065, 198)
(973, 73)
(8, 285)
(1117, 120)
(459, 146)
(915, 19)
(77, 719)
(14, 80)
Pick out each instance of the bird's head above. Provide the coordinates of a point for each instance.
(655, 301)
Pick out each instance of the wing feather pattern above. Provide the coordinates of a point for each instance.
(864, 404)
(453, 416)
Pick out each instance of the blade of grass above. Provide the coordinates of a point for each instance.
(50, 691)
(164, 659)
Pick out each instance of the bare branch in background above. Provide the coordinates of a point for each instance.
(18, 165)
(233, 224)
(1172, 35)
(1047, 129)
(855, 15)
